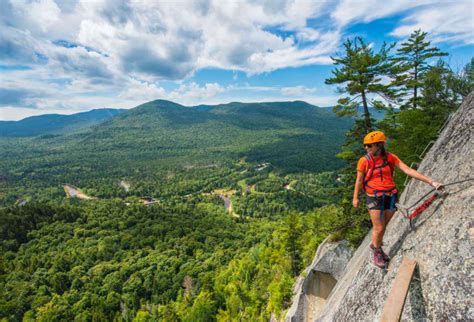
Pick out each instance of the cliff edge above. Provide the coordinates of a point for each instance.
(440, 243)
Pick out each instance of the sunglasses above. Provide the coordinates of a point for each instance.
(368, 145)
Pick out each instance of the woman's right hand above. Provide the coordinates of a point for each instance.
(436, 185)
(355, 203)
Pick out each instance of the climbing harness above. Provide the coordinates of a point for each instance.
(438, 193)
(392, 192)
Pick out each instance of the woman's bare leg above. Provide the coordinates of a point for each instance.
(378, 227)
(387, 216)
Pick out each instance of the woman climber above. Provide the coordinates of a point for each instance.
(375, 177)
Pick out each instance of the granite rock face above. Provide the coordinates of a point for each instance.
(312, 290)
(441, 242)
(332, 258)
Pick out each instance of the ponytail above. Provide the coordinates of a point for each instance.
(383, 152)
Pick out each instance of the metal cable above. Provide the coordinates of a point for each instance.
(444, 185)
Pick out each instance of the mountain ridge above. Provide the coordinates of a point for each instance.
(56, 123)
(59, 123)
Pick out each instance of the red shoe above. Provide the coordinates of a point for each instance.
(385, 256)
(379, 259)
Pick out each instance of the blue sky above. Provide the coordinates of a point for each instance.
(76, 55)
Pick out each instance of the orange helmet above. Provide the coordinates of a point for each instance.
(374, 137)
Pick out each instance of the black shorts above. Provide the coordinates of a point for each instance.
(375, 203)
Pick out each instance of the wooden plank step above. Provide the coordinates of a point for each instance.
(392, 311)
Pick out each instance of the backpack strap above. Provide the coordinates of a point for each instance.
(370, 170)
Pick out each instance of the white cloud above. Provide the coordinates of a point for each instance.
(171, 40)
(308, 35)
(350, 11)
(446, 22)
(297, 91)
(142, 90)
(154, 40)
(43, 19)
(44, 13)
(294, 57)
(193, 92)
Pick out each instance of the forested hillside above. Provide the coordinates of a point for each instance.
(255, 131)
(152, 144)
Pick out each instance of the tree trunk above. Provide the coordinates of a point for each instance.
(416, 87)
(368, 125)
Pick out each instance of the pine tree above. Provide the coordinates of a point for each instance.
(361, 74)
(411, 65)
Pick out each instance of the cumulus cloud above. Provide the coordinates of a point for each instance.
(174, 62)
(315, 54)
(142, 90)
(40, 89)
(171, 40)
(192, 92)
